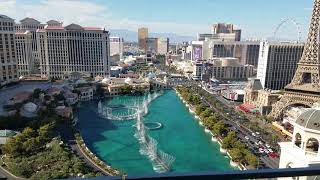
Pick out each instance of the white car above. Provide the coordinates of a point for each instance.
(256, 143)
(246, 137)
(257, 133)
(261, 143)
(270, 150)
(253, 134)
(268, 146)
(266, 151)
(261, 150)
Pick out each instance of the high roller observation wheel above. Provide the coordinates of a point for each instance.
(284, 21)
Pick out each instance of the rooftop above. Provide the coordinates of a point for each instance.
(5, 17)
(254, 84)
(53, 90)
(309, 119)
(54, 28)
(7, 133)
(73, 27)
(84, 89)
(22, 32)
(51, 22)
(20, 97)
(29, 21)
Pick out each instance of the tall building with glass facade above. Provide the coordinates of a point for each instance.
(142, 37)
(8, 59)
(152, 45)
(163, 45)
(278, 63)
(64, 50)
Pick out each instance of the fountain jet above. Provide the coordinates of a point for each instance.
(160, 160)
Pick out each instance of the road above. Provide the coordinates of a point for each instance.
(234, 122)
(3, 174)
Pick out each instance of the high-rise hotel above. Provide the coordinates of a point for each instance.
(31, 25)
(142, 37)
(24, 53)
(8, 61)
(73, 48)
(278, 63)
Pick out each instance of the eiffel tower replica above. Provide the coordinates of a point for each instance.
(304, 89)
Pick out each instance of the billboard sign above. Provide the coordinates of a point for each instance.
(197, 53)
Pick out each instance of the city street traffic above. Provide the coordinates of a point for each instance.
(268, 158)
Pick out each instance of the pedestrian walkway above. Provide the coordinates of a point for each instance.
(4, 174)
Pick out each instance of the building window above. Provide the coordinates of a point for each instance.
(312, 145)
(297, 140)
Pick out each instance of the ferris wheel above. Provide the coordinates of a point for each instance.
(285, 21)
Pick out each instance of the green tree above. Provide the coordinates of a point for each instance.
(59, 97)
(45, 133)
(100, 91)
(41, 175)
(126, 89)
(139, 91)
(215, 116)
(47, 97)
(206, 113)
(20, 167)
(36, 93)
(219, 128)
(239, 145)
(210, 122)
(189, 98)
(12, 147)
(251, 159)
(196, 100)
(229, 141)
(200, 108)
(31, 145)
(78, 166)
(274, 138)
(236, 155)
(28, 132)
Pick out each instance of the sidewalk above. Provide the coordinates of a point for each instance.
(6, 174)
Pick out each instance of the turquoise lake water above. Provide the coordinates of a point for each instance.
(180, 136)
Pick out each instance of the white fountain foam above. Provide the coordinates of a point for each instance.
(160, 160)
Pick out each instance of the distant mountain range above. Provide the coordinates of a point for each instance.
(132, 36)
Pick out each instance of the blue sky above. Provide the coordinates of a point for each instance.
(257, 18)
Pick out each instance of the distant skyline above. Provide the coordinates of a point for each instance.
(256, 18)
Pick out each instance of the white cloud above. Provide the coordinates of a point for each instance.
(88, 13)
(67, 11)
(6, 7)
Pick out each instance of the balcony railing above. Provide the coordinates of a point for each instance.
(249, 174)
